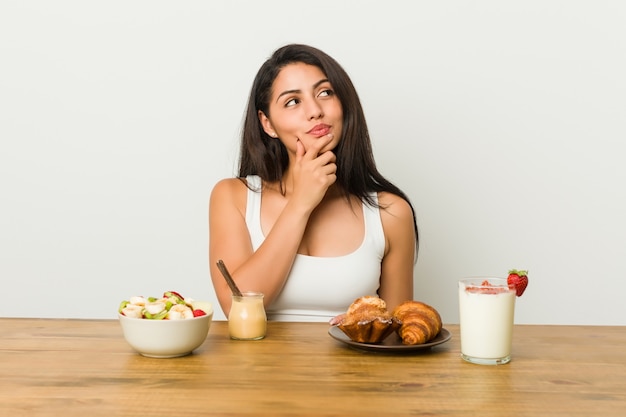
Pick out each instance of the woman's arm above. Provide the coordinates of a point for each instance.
(396, 280)
(265, 270)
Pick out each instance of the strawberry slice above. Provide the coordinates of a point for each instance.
(197, 313)
(485, 287)
(518, 280)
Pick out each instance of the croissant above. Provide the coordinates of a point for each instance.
(368, 320)
(420, 322)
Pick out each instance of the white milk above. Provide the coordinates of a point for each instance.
(486, 322)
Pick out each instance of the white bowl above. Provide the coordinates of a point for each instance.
(166, 338)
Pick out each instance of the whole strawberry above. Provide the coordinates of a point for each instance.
(518, 280)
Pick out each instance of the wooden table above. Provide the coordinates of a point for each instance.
(85, 368)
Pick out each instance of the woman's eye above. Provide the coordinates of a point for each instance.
(292, 102)
(326, 93)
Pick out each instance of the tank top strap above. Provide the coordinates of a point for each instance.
(253, 210)
(374, 227)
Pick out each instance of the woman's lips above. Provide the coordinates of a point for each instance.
(319, 130)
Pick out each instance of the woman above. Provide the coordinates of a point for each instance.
(310, 222)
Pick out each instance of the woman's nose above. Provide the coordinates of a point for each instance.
(314, 110)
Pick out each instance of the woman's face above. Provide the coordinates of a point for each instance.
(303, 106)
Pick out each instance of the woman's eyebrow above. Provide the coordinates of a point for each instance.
(284, 93)
(317, 84)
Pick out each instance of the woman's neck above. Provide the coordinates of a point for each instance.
(285, 187)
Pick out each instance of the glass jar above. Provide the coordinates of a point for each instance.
(247, 319)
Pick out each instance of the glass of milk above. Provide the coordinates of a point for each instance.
(247, 319)
(486, 311)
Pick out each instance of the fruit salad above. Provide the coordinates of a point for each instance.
(171, 306)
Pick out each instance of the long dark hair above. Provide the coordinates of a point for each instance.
(268, 158)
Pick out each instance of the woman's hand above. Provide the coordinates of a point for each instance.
(313, 173)
(337, 319)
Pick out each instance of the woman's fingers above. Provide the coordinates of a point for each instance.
(337, 319)
(300, 151)
(316, 147)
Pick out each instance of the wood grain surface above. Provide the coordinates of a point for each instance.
(70, 368)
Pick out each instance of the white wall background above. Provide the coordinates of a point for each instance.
(503, 121)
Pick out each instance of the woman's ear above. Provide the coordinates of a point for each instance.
(267, 125)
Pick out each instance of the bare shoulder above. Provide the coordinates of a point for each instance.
(398, 225)
(228, 186)
(394, 208)
(229, 192)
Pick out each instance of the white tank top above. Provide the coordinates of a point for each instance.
(319, 288)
